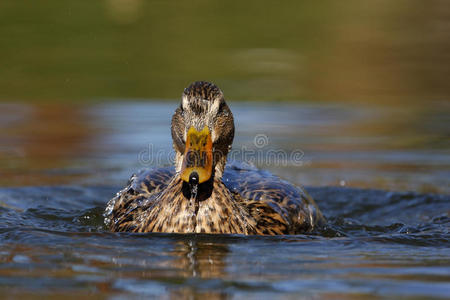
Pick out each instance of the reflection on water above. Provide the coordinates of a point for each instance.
(202, 259)
(362, 146)
(39, 138)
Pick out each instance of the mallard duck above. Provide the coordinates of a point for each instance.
(200, 194)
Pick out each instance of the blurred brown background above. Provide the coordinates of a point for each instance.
(383, 51)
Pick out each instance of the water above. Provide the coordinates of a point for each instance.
(376, 244)
(380, 174)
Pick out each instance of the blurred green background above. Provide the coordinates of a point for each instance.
(379, 51)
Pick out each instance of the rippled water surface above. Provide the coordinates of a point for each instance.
(380, 174)
(364, 125)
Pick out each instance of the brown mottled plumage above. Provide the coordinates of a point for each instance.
(238, 199)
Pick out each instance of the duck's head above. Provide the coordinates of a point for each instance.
(202, 133)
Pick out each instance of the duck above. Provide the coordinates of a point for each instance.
(201, 193)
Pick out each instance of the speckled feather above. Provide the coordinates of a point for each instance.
(203, 90)
(246, 201)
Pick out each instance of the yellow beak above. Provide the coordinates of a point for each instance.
(197, 162)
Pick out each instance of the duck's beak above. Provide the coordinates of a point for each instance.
(197, 162)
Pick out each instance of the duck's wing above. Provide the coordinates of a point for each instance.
(278, 203)
(138, 195)
(152, 180)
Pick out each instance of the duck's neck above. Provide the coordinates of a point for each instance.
(213, 210)
(194, 193)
